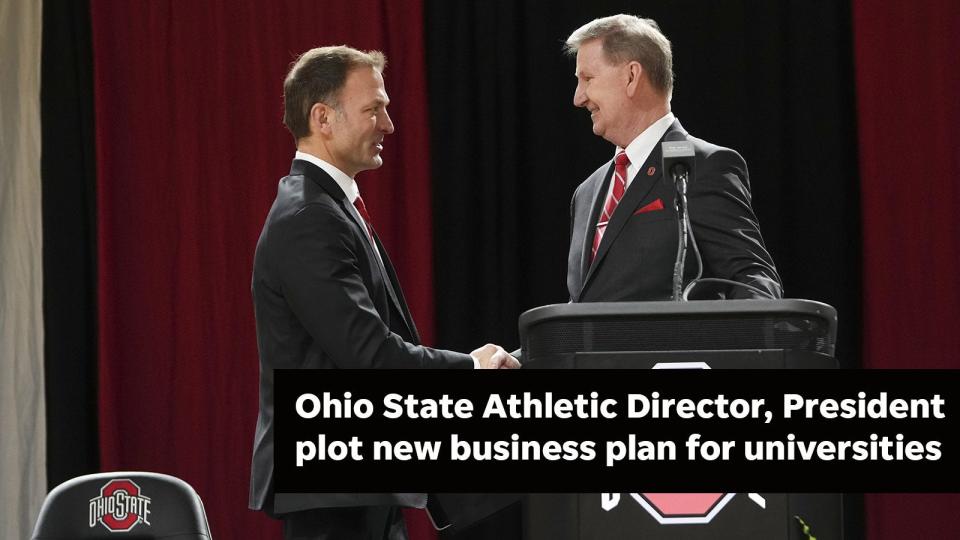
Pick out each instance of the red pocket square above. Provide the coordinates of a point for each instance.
(652, 207)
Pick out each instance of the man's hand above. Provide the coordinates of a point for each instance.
(492, 356)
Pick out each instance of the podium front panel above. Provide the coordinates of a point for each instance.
(732, 334)
(595, 516)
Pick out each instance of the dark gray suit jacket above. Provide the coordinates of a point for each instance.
(322, 299)
(636, 255)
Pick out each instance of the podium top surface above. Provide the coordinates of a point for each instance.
(790, 324)
(731, 308)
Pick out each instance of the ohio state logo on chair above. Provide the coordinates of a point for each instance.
(120, 507)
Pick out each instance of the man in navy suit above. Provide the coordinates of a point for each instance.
(623, 225)
(325, 293)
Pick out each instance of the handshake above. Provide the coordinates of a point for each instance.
(492, 356)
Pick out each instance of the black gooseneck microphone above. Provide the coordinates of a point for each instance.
(678, 164)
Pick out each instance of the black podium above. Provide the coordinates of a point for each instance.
(732, 334)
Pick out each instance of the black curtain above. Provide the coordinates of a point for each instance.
(69, 241)
(773, 80)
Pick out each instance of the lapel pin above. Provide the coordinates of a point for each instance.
(651, 170)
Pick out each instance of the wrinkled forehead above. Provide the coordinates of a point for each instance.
(590, 57)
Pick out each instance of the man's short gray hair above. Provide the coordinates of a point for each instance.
(627, 38)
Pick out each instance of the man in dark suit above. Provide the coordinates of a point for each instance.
(325, 293)
(624, 234)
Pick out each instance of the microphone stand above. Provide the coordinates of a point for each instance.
(683, 227)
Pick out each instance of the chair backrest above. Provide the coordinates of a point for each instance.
(130, 505)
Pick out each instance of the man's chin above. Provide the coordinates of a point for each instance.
(371, 164)
(374, 163)
(602, 133)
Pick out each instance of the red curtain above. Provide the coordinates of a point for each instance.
(908, 97)
(190, 146)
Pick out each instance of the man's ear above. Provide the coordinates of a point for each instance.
(633, 74)
(320, 117)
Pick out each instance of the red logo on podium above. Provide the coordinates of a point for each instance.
(680, 508)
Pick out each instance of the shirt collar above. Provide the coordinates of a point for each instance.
(347, 184)
(640, 148)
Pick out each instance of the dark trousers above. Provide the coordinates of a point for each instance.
(348, 523)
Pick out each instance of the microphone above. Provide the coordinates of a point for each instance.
(678, 156)
(678, 163)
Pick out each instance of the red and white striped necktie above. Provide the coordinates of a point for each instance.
(621, 161)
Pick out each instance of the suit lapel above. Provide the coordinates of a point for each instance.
(396, 292)
(392, 286)
(598, 198)
(640, 187)
(389, 279)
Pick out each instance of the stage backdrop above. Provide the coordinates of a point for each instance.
(190, 147)
(909, 121)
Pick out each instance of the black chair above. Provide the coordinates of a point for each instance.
(132, 505)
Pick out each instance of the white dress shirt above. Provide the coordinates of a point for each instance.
(347, 184)
(640, 148)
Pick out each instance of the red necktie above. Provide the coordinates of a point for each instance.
(362, 209)
(619, 187)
